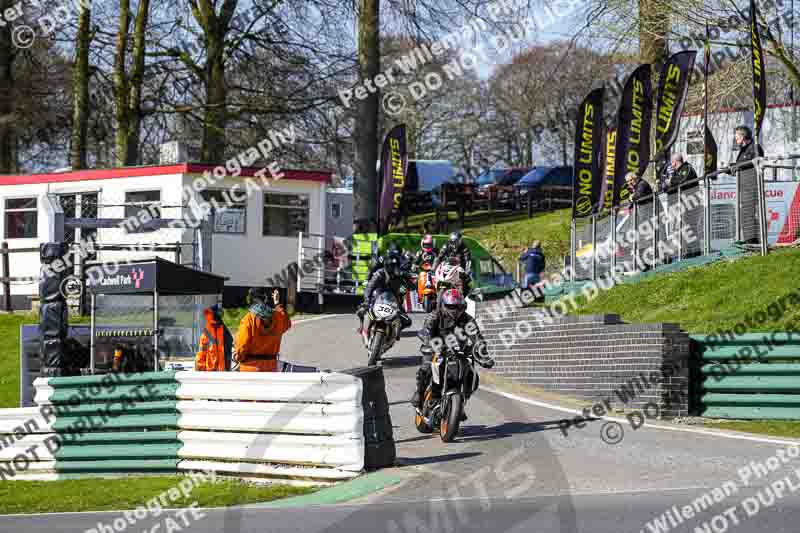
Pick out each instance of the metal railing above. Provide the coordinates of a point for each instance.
(694, 218)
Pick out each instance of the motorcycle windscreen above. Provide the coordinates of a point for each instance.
(386, 298)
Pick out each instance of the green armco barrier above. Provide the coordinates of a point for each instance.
(148, 391)
(122, 437)
(105, 452)
(118, 379)
(120, 423)
(118, 465)
(749, 376)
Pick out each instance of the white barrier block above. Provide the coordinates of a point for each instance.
(266, 472)
(269, 386)
(309, 419)
(26, 419)
(337, 451)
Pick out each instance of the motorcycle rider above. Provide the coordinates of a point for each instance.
(427, 253)
(450, 318)
(455, 245)
(392, 276)
(454, 276)
(393, 250)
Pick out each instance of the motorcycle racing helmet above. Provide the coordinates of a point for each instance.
(393, 264)
(453, 306)
(455, 240)
(427, 243)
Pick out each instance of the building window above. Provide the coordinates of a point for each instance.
(285, 215)
(230, 216)
(22, 217)
(336, 210)
(140, 207)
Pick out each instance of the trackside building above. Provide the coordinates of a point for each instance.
(251, 237)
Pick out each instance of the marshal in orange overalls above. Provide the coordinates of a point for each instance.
(259, 339)
(216, 344)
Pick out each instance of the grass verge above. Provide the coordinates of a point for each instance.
(505, 240)
(92, 494)
(710, 298)
(774, 428)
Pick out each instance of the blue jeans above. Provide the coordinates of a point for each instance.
(531, 279)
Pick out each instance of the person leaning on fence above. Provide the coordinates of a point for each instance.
(682, 172)
(216, 343)
(260, 331)
(640, 189)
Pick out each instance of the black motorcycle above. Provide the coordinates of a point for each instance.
(455, 370)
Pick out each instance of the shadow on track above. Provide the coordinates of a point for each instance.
(470, 433)
(414, 461)
(402, 361)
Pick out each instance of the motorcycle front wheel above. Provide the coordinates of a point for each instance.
(375, 347)
(451, 417)
(419, 420)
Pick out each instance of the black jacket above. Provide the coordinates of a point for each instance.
(433, 325)
(534, 261)
(682, 174)
(382, 280)
(641, 190)
(747, 153)
(462, 252)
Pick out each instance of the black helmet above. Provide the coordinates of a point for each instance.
(455, 239)
(392, 264)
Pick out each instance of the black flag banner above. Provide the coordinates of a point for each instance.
(394, 162)
(633, 131)
(672, 88)
(587, 177)
(607, 190)
(710, 164)
(759, 73)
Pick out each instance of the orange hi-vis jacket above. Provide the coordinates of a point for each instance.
(216, 344)
(257, 346)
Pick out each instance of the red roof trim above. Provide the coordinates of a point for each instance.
(154, 170)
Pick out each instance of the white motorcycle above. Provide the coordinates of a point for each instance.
(383, 326)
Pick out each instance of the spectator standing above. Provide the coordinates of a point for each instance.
(534, 261)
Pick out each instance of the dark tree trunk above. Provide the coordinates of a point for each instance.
(365, 183)
(80, 89)
(8, 139)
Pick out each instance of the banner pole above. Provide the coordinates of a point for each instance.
(574, 268)
(707, 221)
(613, 240)
(594, 247)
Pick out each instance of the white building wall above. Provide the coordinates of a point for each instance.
(111, 196)
(252, 258)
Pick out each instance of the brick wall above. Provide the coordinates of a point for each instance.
(592, 357)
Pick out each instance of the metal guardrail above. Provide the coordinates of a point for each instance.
(751, 376)
(711, 220)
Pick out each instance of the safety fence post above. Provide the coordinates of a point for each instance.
(6, 275)
(707, 220)
(680, 224)
(594, 247)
